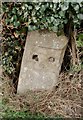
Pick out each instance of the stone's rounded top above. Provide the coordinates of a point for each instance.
(47, 39)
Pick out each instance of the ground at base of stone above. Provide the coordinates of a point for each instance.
(65, 99)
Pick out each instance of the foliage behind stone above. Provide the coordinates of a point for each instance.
(19, 18)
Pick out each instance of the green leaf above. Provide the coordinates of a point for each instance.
(14, 10)
(51, 5)
(14, 18)
(23, 7)
(54, 28)
(34, 19)
(80, 16)
(16, 23)
(52, 19)
(62, 14)
(26, 14)
(30, 7)
(37, 7)
(76, 7)
(64, 6)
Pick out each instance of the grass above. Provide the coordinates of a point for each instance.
(26, 115)
(9, 114)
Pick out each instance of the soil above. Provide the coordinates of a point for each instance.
(65, 99)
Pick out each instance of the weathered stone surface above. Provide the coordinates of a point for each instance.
(41, 61)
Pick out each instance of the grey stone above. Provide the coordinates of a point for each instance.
(41, 63)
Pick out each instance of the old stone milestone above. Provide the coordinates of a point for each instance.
(42, 59)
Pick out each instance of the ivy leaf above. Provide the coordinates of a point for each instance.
(62, 14)
(37, 7)
(14, 10)
(30, 7)
(34, 19)
(76, 7)
(54, 28)
(23, 7)
(16, 23)
(14, 18)
(52, 19)
(25, 14)
(65, 6)
(51, 5)
(80, 16)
